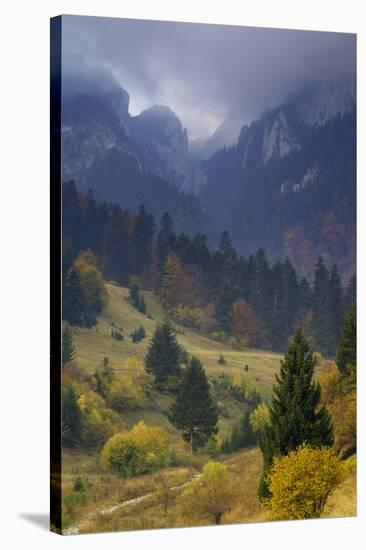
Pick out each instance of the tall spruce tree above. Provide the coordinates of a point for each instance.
(164, 355)
(242, 435)
(305, 297)
(296, 416)
(350, 295)
(226, 296)
(194, 412)
(336, 301)
(116, 246)
(164, 240)
(347, 347)
(73, 298)
(68, 348)
(143, 234)
(322, 308)
(71, 417)
(262, 295)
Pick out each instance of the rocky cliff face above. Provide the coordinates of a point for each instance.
(289, 183)
(283, 130)
(163, 144)
(92, 125)
(129, 160)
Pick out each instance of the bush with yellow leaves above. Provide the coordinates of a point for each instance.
(138, 451)
(97, 421)
(301, 482)
(339, 395)
(124, 393)
(260, 418)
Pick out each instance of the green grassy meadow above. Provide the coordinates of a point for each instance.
(94, 344)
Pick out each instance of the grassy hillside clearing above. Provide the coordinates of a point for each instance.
(104, 509)
(94, 344)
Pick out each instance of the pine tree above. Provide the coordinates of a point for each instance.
(296, 416)
(226, 296)
(71, 418)
(350, 295)
(336, 299)
(291, 298)
(164, 240)
(68, 349)
(304, 296)
(322, 308)
(134, 295)
(262, 295)
(242, 435)
(164, 354)
(143, 233)
(347, 347)
(116, 250)
(73, 298)
(194, 412)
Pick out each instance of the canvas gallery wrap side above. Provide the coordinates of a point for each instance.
(203, 330)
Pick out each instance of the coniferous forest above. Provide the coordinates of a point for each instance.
(209, 317)
(255, 301)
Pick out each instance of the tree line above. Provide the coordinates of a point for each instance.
(216, 290)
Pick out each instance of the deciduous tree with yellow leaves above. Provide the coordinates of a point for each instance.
(210, 496)
(301, 482)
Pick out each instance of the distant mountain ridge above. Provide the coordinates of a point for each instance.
(130, 160)
(289, 183)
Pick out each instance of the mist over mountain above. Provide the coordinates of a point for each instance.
(285, 182)
(289, 183)
(129, 160)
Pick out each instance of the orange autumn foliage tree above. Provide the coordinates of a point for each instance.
(178, 287)
(244, 322)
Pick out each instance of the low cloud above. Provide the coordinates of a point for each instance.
(205, 73)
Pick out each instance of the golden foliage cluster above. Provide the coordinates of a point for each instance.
(140, 450)
(301, 482)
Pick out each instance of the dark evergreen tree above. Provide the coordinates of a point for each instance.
(71, 225)
(164, 240)
(336, 299)
(202, 256)
(194, 412)
(305, 297)
(225, 245)
(68, 348)
(116, 246)
(226, 296)
(296, 415)
(72, 298)
(134, 295)
(322, 307)
(137, 299)
(290, 298)
(90, 226)
(242, 435)
(350, 295)
(71, 420)
(277, 329)
(262, 295)
(142, 238)
(164, 354)
(347, 347)
(225, 279)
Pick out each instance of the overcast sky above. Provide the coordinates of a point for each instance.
(204, 73)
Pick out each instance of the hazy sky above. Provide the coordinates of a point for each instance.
(205, 73)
